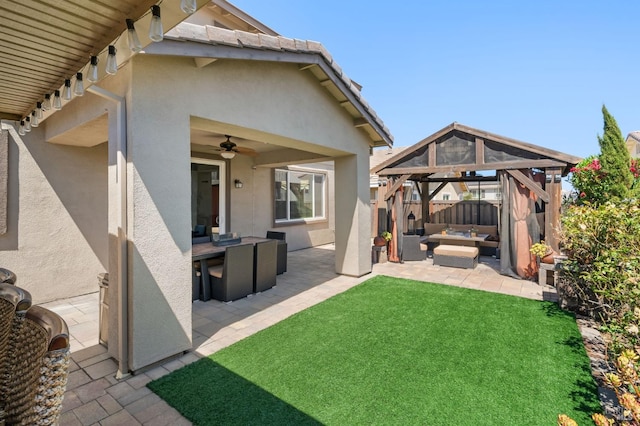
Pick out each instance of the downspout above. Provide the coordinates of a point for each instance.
(121, 249)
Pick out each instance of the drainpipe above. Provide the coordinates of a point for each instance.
(121, 249)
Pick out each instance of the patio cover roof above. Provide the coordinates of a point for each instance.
(459, 148)
(44, 43)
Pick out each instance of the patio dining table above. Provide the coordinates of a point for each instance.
(203, 252)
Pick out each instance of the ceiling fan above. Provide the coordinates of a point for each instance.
(229, 149)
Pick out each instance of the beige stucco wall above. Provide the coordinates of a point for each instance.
(56, 238)
(59, 216)
(272, 99)
(281, 104)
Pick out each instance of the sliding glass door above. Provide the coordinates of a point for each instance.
(208, 188)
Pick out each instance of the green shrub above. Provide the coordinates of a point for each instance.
(602, 243)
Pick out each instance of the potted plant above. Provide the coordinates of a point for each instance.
(382, 239)
(543, 251)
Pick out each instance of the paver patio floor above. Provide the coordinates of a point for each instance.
(95, 397)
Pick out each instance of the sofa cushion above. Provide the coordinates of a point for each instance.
(460, 251)
(487, 229)
(433, 228)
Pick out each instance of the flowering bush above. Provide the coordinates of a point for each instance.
(590, 182)
(635, 169)
(386, 235)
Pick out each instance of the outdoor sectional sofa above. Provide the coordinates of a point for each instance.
(489, 247)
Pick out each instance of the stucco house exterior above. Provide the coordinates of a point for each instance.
(106, 183)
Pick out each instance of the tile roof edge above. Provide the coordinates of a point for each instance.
(215, 35)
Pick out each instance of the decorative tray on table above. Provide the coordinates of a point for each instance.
(226, 239)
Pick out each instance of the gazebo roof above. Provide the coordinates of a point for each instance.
(459, 148)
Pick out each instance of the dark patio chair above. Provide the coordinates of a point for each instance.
(265, 265)
(411, 249)
(197, 273)
(282, 249)
(234, 278)
(6, 276)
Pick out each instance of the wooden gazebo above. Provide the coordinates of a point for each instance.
(460, 151)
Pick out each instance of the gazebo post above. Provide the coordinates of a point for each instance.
(425, 202)
(553, 187)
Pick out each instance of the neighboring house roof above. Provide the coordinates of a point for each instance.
(633, 143)
(378, 156)
(310, 55)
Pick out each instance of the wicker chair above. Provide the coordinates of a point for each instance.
(14, 303)
(35, 368)
(411, 249)
(6, 276)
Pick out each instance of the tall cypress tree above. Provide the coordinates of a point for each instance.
(614, 158)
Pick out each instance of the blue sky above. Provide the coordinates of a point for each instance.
(538, 71)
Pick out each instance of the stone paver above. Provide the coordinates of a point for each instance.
(95, 397)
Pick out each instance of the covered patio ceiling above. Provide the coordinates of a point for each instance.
(42, 43)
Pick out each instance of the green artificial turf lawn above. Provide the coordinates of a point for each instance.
(401, 352)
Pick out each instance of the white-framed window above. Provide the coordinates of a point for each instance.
(446, 196)
(474, 194)
(299, 195)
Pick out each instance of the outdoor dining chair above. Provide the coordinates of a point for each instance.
(282, 249)
(234, 278)
(265, 265)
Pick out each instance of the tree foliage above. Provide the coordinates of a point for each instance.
(610, 176)
(614, 158)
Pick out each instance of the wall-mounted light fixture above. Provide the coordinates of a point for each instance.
(238, 183)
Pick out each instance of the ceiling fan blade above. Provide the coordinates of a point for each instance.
(245, 151)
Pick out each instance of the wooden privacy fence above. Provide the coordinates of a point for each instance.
(454, 212)
(465, 212)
